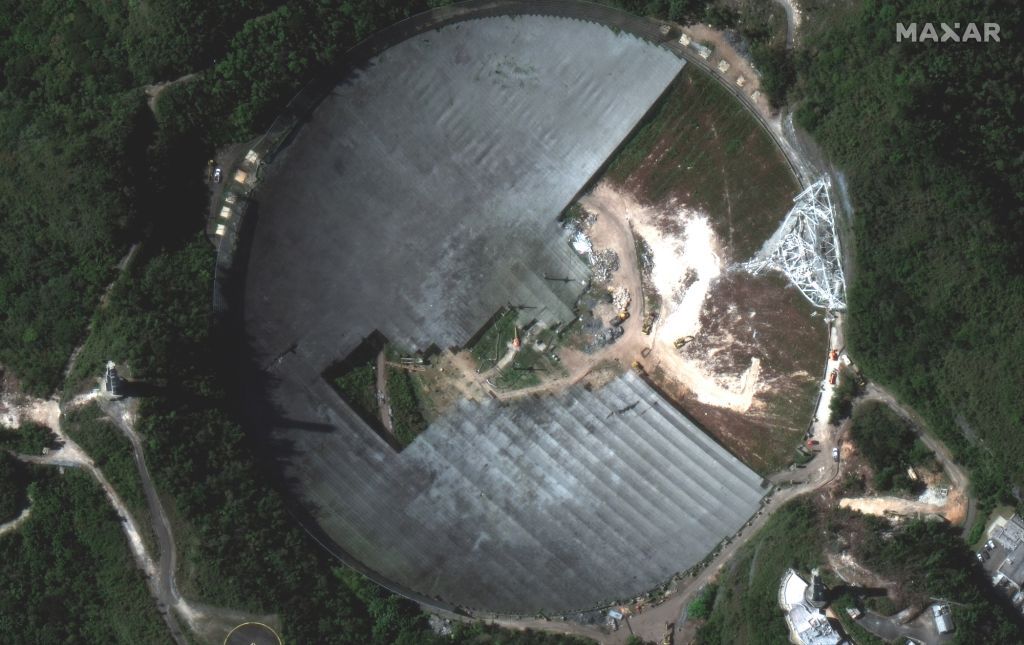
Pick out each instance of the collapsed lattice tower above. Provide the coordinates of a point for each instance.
(806, 249)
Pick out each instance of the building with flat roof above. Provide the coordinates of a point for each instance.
(1010, 534)
(943, 618)
(1012, 568)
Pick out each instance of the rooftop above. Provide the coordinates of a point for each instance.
(1010, 534)
(807, 625)
(1013, 566)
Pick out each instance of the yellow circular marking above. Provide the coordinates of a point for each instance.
(266, 627)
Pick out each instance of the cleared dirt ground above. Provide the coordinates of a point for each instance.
(751, 371)
(701, 149)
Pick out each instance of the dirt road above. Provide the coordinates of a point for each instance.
(13, 525)
(72, 456)
(153, 91)
(650, 625)
(959, 481)
(210, 624)
(792, 20)
(382, 392)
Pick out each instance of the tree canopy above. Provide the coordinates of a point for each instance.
(929, 137)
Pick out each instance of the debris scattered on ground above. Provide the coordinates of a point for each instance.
(581, 243)
(620, 299)
(603, 263)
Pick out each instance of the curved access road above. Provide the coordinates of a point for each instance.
(957, 476)
(71, 455)
(211, 623)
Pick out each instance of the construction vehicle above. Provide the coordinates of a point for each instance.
(834, 355)
(833, 377)
(681, 342)
(637, 367)
(649, 322)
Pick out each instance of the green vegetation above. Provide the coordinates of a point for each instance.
(29, 439)
(929, 139)
(112, 453)
(696, 132)
(747, 609)
(242, 548)
(843, 394)
(406, 407)
(358, 387)
(13, 487)
(890, 446)
(71, 123)
(525, 370)
(87, 168)
(480, 634)
(802, 457)
(68, 574)
(493, 343)
(702, 605)
(573, 215)
(926, 558)
(860, 635)
(931, 561)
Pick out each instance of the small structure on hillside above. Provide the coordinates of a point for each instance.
(113, 385)
(943, 618)
(702, 50)
(807, 622)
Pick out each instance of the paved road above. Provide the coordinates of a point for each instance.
(210, 623)
(922, 628)
(791, 21)
(165, 579)
(71, 455)
(383, 400)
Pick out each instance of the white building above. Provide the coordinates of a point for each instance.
(807, 625)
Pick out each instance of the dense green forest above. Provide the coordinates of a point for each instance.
(86, 169)
(890, 446)
(68, 574)
(930, 561)
(13, 487)
(930, 138)
(30, 439)
(112, 453)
